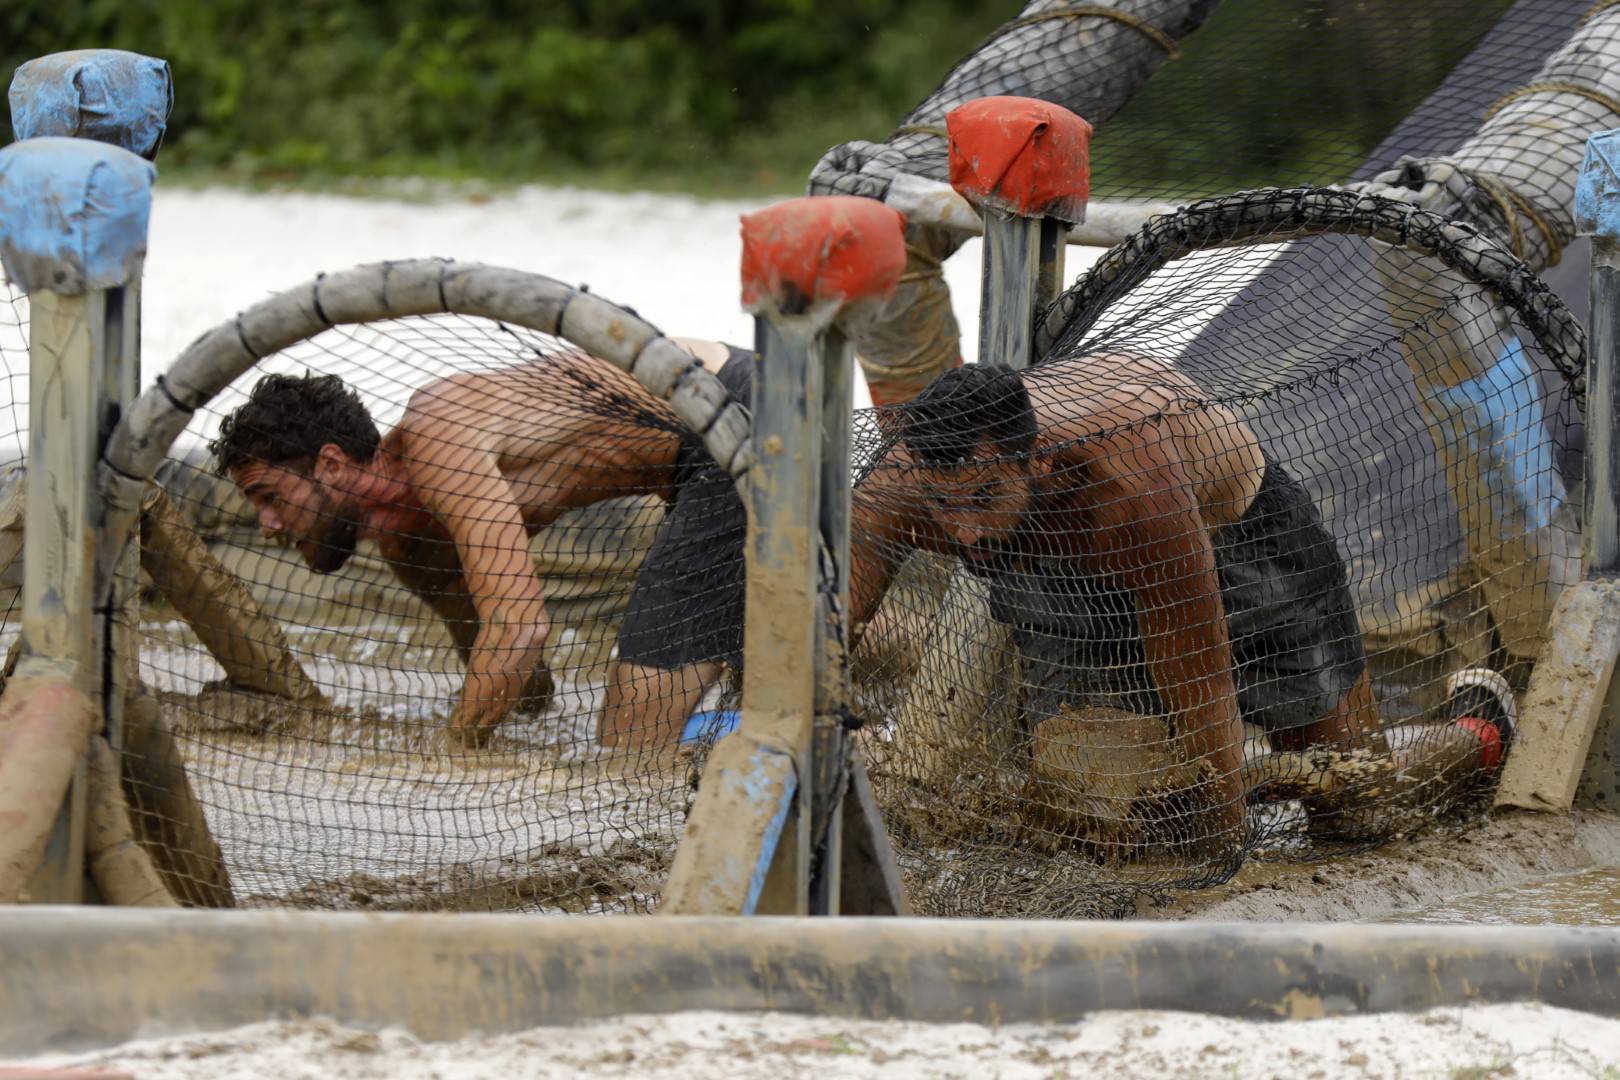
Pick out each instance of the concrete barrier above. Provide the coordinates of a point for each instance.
(73, 978)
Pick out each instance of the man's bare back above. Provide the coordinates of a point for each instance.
(1116, 471)
(479, 462)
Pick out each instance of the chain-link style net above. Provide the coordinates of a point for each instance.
(1150, 579)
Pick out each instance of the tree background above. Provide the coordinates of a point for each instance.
(713, 96)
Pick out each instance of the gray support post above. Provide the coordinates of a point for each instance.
(123, 99)
(782, 641)
(1024, 164)
(766, 834)
(1597, 214)
(1574, 685)
(74, 217)
(829, 749)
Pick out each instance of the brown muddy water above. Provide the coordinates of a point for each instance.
(1587, 898)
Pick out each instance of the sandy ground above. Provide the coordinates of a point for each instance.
(1455, 1044)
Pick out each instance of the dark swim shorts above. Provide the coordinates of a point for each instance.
(1296, 644)
(687, 606)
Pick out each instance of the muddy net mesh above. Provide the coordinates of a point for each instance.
(1432, 432)
(312, 712)
(1053, 725)
(283, 734)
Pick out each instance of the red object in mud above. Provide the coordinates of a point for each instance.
(1021, 156)
(833, 247)
(1490, 740)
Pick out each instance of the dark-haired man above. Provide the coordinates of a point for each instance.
(1146, 553)
(479, 463)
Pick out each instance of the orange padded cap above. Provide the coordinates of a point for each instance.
(1021, 156)
(832, 247)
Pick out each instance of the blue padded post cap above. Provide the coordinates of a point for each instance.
(1597, 189)
(108, 95)
(73, 214)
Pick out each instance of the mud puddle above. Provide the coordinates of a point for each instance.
(1588, 898)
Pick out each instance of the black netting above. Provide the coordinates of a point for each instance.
(1038, 705)
(1300, 498)
(315, 713)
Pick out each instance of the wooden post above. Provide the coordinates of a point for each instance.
(1590, 740)
(1598, 214)
(73, 237)
(1025, 165)
(767, 832)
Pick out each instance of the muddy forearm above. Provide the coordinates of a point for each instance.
(499, 668)
(1182, 621)
(879, 539)
(1183, 628)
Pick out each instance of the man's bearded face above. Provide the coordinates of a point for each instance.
(299, 511)
(979, 505)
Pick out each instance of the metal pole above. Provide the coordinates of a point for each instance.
(829, 752)
(1024, 164)
(1007, 289)
(1597, 214)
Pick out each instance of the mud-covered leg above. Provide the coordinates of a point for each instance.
(648, 706)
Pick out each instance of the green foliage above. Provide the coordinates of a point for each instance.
(740, 94)
(1282, 92)
(723, 95)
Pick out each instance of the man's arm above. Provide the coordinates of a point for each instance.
(463, 488)
(1150, 534)
(887, 523)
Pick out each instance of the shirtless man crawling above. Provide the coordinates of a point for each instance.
(478, 464)
(1146, 552)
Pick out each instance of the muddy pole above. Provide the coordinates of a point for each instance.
(1025, 165)
(1584, 751)
(1597, 213)
(73, 217)
(123, 99)
(765, 835)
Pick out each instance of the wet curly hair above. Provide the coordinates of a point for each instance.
(288, 418)
(965, 408)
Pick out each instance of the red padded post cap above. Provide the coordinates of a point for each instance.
(833, 247)
(1021, 156)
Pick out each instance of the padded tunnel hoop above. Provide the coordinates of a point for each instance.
(1273, 215)
(392, 290)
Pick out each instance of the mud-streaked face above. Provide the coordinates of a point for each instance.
(980, 504)
(296, 509)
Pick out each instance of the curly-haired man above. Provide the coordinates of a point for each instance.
(479, 463)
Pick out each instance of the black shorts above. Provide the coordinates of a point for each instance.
(1296, 645)
(687, 606)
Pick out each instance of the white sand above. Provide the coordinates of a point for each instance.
(672, 258)
(1476, 1043)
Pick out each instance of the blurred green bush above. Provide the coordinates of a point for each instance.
(708, 95)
